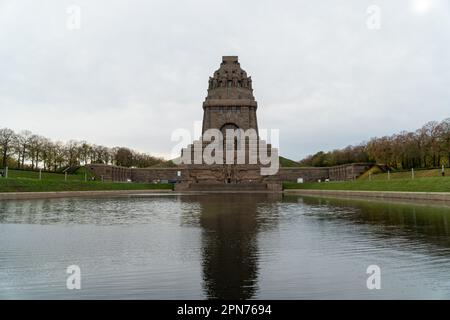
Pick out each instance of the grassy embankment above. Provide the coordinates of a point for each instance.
(424, 181)
(28, 181)
(285, 162)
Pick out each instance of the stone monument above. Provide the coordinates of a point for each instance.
(229, 108)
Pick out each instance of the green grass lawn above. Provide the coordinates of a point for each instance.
(79, 175)
(33, 185)
(427, 173)
(429, 184)
(285, 162)
(28, 181)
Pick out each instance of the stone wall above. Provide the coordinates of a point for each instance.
(110, 173)
(348, 171)
(308, 174)
(122, 174)
(217, 173)
(156, 174)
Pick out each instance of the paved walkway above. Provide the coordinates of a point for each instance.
(434, 196)
(67, 194)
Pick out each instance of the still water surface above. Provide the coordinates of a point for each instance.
(223, 246)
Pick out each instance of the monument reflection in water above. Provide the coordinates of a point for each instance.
(230, 243)
(226, 246)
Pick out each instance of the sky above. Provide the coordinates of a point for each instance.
(326, 73)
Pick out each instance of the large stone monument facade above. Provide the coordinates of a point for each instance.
(230, 106)
(229, 109)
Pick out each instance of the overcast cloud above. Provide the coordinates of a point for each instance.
(137, 70)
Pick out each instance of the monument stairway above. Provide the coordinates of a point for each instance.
(230, 187)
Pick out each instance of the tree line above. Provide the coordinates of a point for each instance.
(426, 147)
(25, 150)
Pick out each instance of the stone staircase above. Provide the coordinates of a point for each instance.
(229, 187)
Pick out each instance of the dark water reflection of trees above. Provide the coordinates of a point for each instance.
(230, 225)
(427, 222)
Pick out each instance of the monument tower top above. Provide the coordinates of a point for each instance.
(230, 101)
(230, 59)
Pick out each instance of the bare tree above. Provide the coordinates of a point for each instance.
(48, 153)
(84, 151)
(72, 152)
(21, 144)
(36, 143)
(7, 137)
(60, 155)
